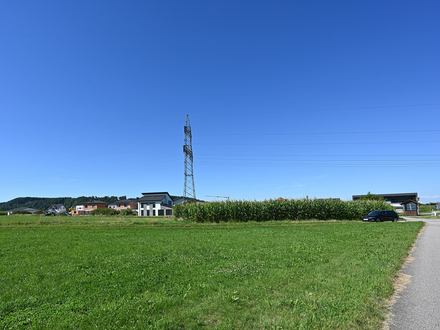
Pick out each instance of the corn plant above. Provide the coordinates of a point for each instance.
(270, 210)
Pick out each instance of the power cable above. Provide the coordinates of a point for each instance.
(318, 133)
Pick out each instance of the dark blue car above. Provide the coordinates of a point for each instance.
(379, 216)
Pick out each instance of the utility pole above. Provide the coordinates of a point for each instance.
(189, 190)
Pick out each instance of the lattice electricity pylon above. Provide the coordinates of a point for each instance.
(189, 190)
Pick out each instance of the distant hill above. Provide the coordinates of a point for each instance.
(42, 203)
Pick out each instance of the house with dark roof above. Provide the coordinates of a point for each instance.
(57, 208)
(93, 205)
(155, 204)
(123, 205)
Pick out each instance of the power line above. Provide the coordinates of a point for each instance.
(319, 133)
(330, 160)
(322, 155)
(314, 143)
(314, 165)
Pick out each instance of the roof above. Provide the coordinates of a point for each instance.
(393, 198)
(156, 193)
(95, 202)
(409, 201)
(29, 209)
(124, 201)
(56, 205)
(156, 198)
(386, 195)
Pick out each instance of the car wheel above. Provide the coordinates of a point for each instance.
(395, 220)
(378, 220)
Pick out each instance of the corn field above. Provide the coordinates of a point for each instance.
(268, 210)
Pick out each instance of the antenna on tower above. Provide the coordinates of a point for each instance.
(189, 191)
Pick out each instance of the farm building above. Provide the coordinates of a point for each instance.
(395, 200)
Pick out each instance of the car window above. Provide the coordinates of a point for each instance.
(374, 213)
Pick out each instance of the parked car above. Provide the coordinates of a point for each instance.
(378, 216)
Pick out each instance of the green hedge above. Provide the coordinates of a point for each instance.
(21, 212)
(104, 211)
(299, 209)
(128, 212)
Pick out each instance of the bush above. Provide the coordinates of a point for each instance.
(104, 211)
(128, 212)
(269, 210)
(3, 213)
(62, 214)
(40, 212)
(21, 212)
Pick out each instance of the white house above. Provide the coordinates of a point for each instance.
(155, 204)
(57, 208)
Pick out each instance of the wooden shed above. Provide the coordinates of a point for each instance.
(410, 207)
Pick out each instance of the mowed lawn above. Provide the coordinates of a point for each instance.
(318, 275)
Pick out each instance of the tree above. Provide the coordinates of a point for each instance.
(371, 197)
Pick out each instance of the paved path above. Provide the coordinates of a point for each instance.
(418, 306)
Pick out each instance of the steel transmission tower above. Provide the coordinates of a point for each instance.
(189, 190)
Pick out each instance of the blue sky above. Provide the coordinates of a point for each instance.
(286, 98)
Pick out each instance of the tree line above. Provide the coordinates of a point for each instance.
(43, 203)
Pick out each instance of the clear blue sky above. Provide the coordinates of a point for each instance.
(286, 98)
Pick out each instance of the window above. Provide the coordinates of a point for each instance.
(86, 206)
(93, 206)
(410, 207)
(125, 205)
(119, 205)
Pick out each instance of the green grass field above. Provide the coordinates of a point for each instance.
(107, 273)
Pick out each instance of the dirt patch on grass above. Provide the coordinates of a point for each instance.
(399, 284)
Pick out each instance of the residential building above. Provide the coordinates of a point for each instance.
(155, 204)
(78, 210)
(93, 205)
(57, 208)
(123, 205)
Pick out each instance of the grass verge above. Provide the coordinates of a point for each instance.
(245, 276)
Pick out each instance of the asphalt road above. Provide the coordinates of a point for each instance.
(418, 306)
